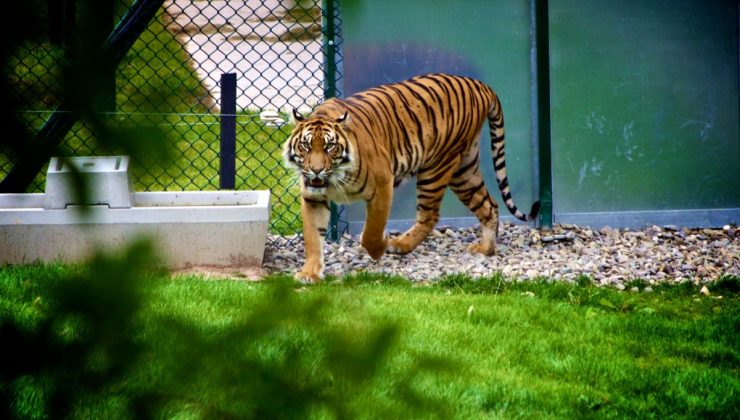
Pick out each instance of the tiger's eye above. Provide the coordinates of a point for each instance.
(305, 142)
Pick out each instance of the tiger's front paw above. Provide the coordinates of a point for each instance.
(306, 277)
(309, 274)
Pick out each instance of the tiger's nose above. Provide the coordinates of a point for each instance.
(315, 172)
(316, 178)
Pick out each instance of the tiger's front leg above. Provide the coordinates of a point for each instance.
(315, 222)
(378, 209)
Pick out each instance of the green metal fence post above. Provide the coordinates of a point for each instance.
(330, 89)
(227, 139)
(543, 112)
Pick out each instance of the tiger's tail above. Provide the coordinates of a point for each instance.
(496, 125)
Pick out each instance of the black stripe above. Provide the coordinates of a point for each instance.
(499, 166)
(483, 201)
(453, 91)
(362, 187)
(423, 221)
(497, 143)
(457, 184)
(380, 103)
(370, 107)
(425, 208)
(472, 189)
(427, 181)
(466, 116)
(463, 169)
(398, 124)
(446, 90)
(413, 115)
(432, 190)
(400, 127)
(435, 202)
(394, 119)
(435, 174)
(361, 112)
(433, 112)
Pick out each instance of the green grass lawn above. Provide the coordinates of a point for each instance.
(118, 345)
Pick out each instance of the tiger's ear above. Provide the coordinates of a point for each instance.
(297, 115)
(343, 118)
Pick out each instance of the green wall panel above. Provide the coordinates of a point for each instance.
(644, 105)
(387, 41)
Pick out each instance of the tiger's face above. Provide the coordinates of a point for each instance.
(318, 148)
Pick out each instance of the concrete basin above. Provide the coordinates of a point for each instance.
(189, 228)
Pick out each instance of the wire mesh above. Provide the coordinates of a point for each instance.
(170, 78)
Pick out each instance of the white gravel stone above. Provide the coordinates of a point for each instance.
(609, 256)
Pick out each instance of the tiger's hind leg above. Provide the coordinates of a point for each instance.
(430, 189)
(467, 183)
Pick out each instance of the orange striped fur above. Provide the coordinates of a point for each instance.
(361, 147)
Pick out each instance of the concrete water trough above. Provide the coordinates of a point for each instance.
(189, 228)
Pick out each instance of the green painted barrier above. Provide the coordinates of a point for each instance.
(643, 100)
(387, 41)
(644, 105)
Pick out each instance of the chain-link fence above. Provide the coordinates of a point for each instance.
(285, 54)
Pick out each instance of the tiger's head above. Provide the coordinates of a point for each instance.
(319, 149)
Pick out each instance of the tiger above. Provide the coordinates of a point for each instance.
(363, 146)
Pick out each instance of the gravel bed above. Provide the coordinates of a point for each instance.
(609, 256)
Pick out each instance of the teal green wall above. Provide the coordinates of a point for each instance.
(386, 41)
(644, 105)
(644, 95)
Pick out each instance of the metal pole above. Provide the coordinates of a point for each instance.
(543, 112)
(227, 156)
(330, 90)
(331, 65)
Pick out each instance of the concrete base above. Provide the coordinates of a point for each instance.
(188, 228)
(701, 218)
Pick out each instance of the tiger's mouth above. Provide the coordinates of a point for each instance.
(316, 183)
